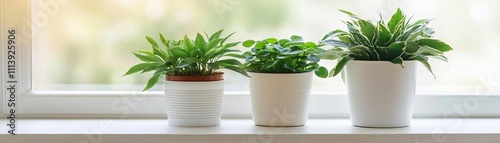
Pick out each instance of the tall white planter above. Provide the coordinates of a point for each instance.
(381, 93)
(194, 104)
(280, 99)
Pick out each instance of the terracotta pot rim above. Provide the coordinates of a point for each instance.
(214, 77)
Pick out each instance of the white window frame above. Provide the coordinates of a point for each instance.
(485, 102)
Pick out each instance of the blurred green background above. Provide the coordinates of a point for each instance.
(87, 44)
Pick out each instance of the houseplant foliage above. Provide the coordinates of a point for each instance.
(396, 40)
(282, 73)
(283, 56)
(201, 56)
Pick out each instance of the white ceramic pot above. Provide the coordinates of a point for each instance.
(280, 99)
(194, 104)
(381, 93)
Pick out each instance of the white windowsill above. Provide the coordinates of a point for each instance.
(455, 130)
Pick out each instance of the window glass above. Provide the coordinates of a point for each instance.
(87, 44)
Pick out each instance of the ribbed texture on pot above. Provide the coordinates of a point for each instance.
(194, 100)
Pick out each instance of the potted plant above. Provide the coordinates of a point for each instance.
(381, 60)
(193, 86)
(281, 76)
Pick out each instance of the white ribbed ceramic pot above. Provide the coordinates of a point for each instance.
(194, 104)
(381, 93)
(280, 99)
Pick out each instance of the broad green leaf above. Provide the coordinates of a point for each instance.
(313, 58)
(190, 60)
(214, 66)
(321, 72)
(248, 43)
(137, 68)
(260, 45)
(350, 14)
(227, 37)
(163, 39)
(250, 58)
(361, 52)
(200, 42)
(151, 41)
(396, 18)
(216, 35)
(346, 39)
(296, 38)
(228, 62)
(152, 81)
(180, 52)
(336, 43)
(436, 44)
(213, 43)
(270, 64)
(238, 70)
(424, 61)
(367, 28)
(340, 65)
(283, 41)
(395, 50)
(398, 60)
(229, 45)
(311, 45)
(411, 48)
(334, 33)
(384, 35)
(262, 53)
(271, 40)
(147, 58)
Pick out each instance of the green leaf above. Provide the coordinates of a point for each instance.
(180, 52)
(151, 41)
(270, 64)
(200, 42)
(395, 50)
(436, 44)
(313, 58)
(215, 35)
(336, 43)
(152, 81)
(424, 61)
(250, 58)
(271, 40)
(147, 58)
(214, 66)
(346, 39)
(396, 18)
(190, 60)
(238, 70)
(262, 53)
(411, 48)
(397, 60)
(334, 33)
(227, 37)
(213, 43)
(296, 38)
(260, 45)
(137, 68)
(367, 28)
(163, 39)
(340, 65)
(321, 72)
(384, 35)
(229, 45)
(350, 14)
(229, 62)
